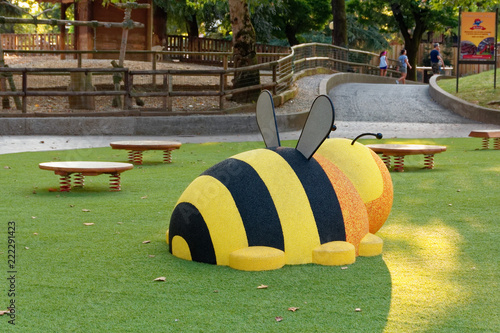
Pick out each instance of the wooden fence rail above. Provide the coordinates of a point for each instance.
(277, 76)
(36, 42)
(127, 89)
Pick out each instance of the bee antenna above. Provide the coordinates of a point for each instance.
(377, 135)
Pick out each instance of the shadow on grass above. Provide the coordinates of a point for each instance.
(353, 298)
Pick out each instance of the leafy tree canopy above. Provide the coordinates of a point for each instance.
(294, 17)
(412, 18)
(29, 9)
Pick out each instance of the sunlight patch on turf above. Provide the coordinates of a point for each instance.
(422, 262)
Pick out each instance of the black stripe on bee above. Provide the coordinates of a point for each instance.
(253, 200)
(321, 194)
(194, 231)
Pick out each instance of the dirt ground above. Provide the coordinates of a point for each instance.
(51, 104)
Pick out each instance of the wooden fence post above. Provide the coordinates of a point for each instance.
(275, 83)
(222, 84)
(25, 88)
(128, 80)
(170, 89)
(81, 81)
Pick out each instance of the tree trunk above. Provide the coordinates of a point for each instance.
(339, 37)
(244, 53)
(291, 35)
(159, 26)
(412, 47)
(192, 26)
(412, 42)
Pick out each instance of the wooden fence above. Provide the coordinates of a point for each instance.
(182, 45)
(36, 42)
(186, 44)
(276, 76)
(185, 47)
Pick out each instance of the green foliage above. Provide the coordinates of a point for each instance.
(215, 19)
(466, 5)
(9, 10)
(294, 17)
(365, 37)
(436, 273)
(30, 9)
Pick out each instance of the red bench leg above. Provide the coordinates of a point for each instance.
(486, 143)
(399, 162)
(79, 180)
(429, 162)
(65, 183)
(387, 161)
(167, 156)
(135, 157)
(114, 182)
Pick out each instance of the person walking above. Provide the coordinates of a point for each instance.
(436, 59)
(404, 64)
(383, 63)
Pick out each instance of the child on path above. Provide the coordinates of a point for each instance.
(404, 64)
(383, 63)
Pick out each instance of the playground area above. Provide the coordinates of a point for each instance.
(86, 261)
(61, 82)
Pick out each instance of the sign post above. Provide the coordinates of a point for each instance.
(477, 40)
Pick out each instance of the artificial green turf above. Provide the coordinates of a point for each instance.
(438, 272)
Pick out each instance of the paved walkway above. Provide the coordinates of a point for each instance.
(396, 111)
(390, 103)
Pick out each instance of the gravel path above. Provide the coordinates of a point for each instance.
(308, 90)
(396, 111)
(390, 103)
(365, 102)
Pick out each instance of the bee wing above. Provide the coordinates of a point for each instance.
(318, 126)
(266, 119)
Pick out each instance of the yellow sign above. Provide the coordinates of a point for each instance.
(477, 40)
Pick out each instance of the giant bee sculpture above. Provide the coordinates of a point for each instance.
(264, 208)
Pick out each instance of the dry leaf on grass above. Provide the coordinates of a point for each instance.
(161, 278)
(293, 308)
(262, 286)
(88, 223)
(357, 309)
(144, 197)
(85, 210)
(278, 319)
(146, 242)
(2, 312)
